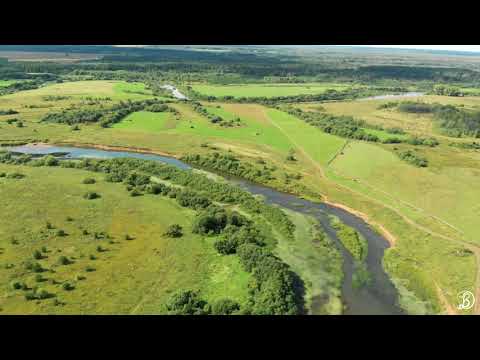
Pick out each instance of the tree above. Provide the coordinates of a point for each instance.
(186, 302)
(174, 231)
(224, 307)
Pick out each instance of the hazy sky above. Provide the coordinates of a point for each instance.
(433, 47)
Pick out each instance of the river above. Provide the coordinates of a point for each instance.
(378, 298)
(393, 96)
(175, 92)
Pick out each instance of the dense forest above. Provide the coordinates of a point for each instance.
(235, 66)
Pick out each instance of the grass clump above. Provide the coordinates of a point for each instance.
(91, 195)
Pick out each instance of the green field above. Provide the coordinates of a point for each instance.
(269, 90)
(444, 189)
(129, 276)
(318, 145)
(4, 83)
(432, 212)
(145, 121)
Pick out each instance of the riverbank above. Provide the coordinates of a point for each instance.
(379, 297)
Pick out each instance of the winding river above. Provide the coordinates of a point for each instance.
(380, 297)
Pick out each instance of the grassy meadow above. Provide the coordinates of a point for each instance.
(133, 276)
(267, 90)
(431, 212)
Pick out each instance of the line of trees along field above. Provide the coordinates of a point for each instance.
(275, 289)
(455, 122)
(107, 116)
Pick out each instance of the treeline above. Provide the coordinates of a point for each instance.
(454, 121)
(107, 117)
(329, 95)
(470, 146)
(229, 164)
(413, 158)
(343, 126)
(21, 86)
(215, 119)
(447, 90)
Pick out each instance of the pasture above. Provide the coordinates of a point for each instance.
(126, 276)
(146, 121)
(267, 90)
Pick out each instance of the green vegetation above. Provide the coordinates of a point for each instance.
(454, 121)
(266, 91)
(412, 158)
(351, 239)
(275, 116)
(145, 121)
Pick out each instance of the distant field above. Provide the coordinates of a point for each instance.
(146, 121)
(46, 56)
(319, 145)
(4, 83)
(255, 129)
(445, 189)
(269, 91)
(130, 276)
(117, 90)
(419, 124)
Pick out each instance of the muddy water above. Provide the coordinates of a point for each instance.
(378, 298)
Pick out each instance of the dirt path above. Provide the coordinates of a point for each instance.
(448, 307)
(294, 143)
(474, 248)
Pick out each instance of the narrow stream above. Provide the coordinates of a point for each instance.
(378, 298)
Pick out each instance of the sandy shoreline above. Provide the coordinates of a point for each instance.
(384, 232)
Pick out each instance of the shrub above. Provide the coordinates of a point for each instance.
(43, 294)
(90, 269)
(18, 285)
(30, 296)
(91, 195)
(37, 268)
(224, 307)
(37, 255)
(135, 192)
(89, 181)
(186, 303)
(2, 174)
(50, 160)
(39, 278)
(44, 249)
(49, 225)
(174, 231)
(63, 260)
(15, 175)
(67, 286)
(61, 233)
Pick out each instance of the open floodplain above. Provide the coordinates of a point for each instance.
(428, 214)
